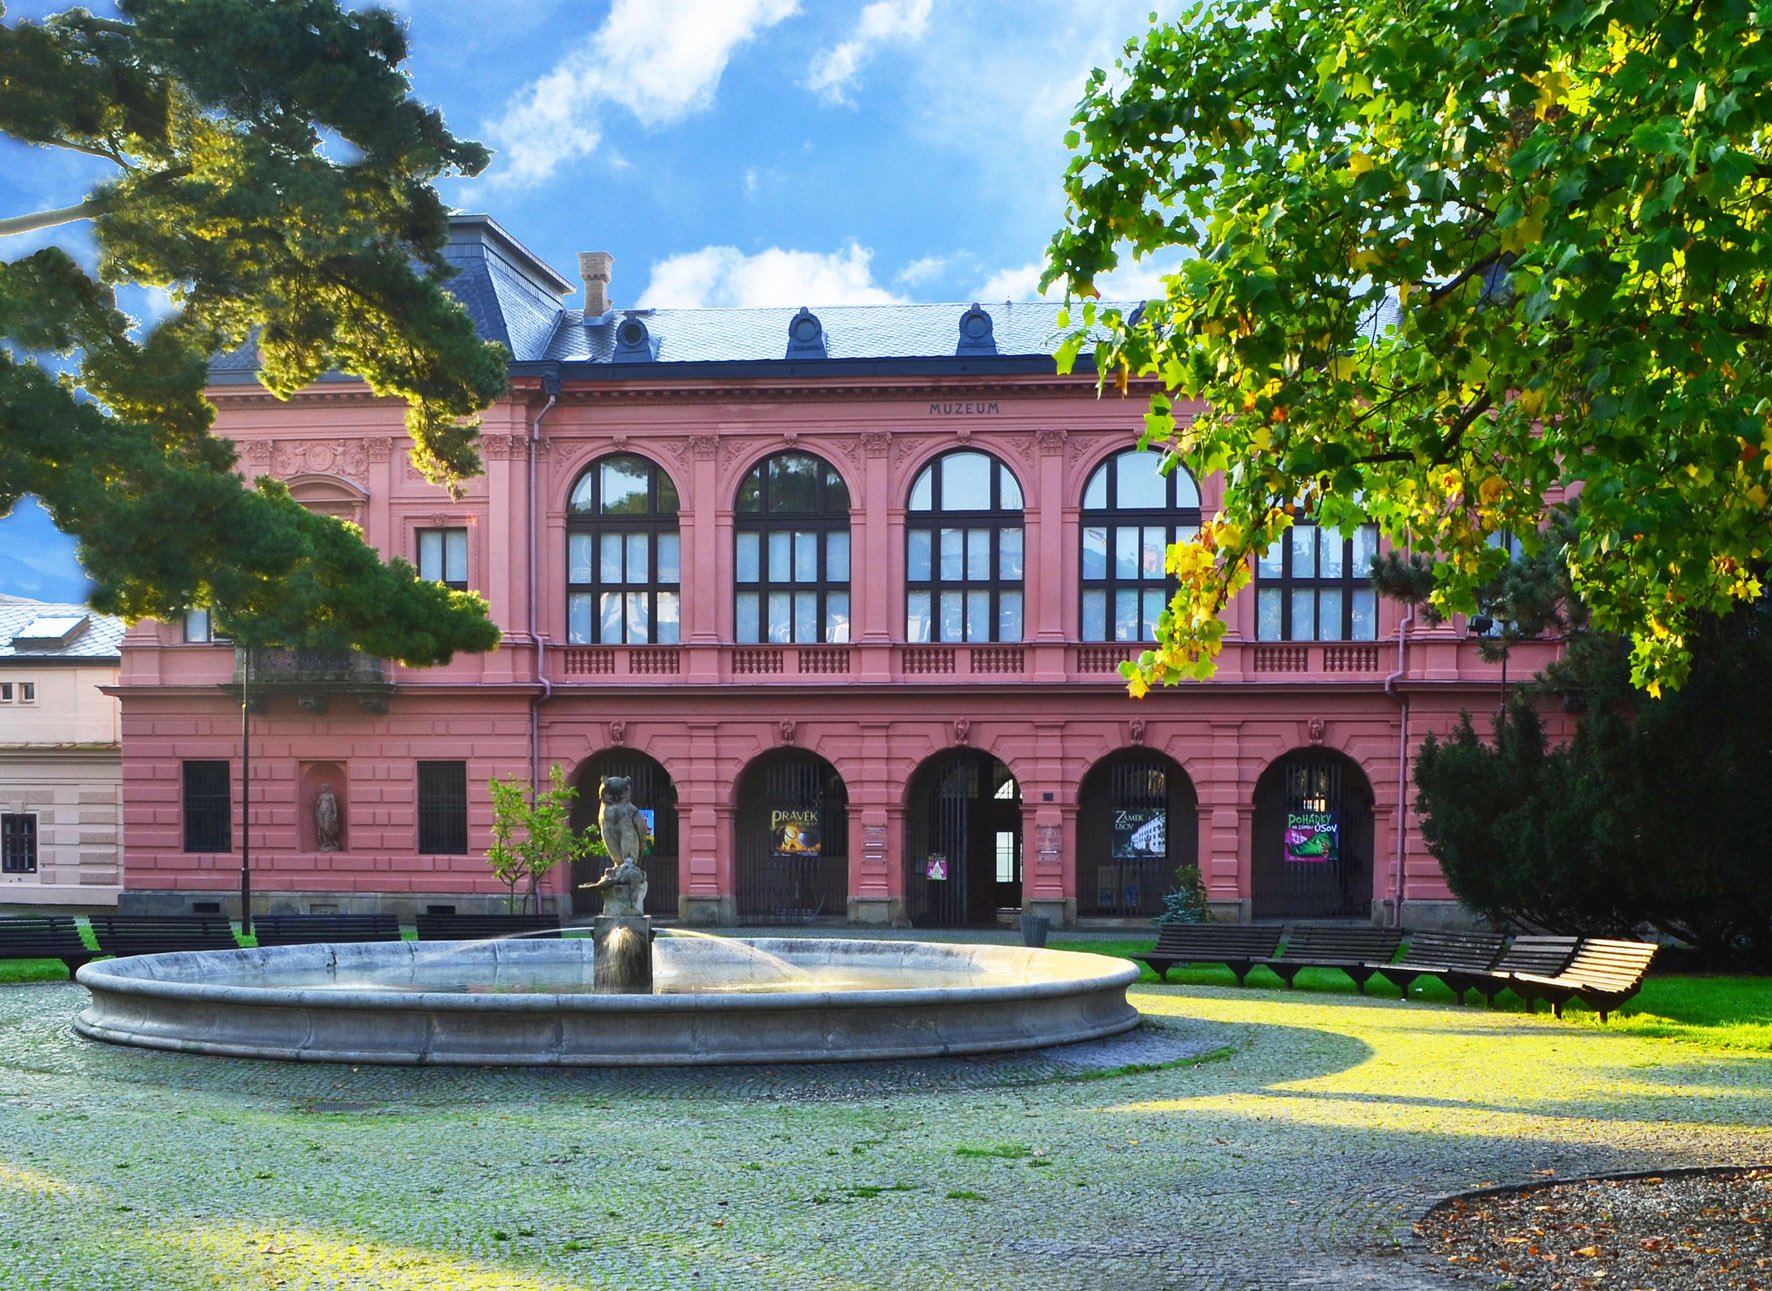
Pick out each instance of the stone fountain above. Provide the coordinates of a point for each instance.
(617, 998)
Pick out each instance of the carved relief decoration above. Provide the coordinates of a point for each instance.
(962, 731)
(790, 436)
(704, 446)
(1315, 727)
(787, 732)
(380, 448)
(258, 455)
(618, 732)
(1024, 445)
(874, 443)
(1136, 731)
(1051, 838)
(322, 457)
(502, 447)
(1049, 441)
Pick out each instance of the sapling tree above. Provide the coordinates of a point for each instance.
(532, 834)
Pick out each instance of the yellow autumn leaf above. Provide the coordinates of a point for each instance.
(1359, 163)
(1364, 260)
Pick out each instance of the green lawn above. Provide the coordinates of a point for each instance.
(1717, 1011)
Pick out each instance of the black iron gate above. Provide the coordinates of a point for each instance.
(963, 846)
(793, 839)
(1312, 839)
(1138, 822)
(654, 793)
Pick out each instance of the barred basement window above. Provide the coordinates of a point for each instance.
(443, 808)
(963, 559)
(443, 557)
(1132, 514)
(623, 580)
(208, 807)
(1313, 585)
(792, 552)
(18, 843)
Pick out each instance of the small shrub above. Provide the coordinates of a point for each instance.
(1187, 903)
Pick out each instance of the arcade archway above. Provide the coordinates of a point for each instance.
(654, 794)
(962, 840)
(1137, 823)
(1312, 838)
(793, 838)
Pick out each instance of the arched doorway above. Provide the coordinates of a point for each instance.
(1312, 838)
(793, 838)
(1137, 823)
(654, 794)
(962, 840)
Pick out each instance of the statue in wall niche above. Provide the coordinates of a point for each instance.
(624, 830)
(325, 820)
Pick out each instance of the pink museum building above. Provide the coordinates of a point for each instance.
(844, 594)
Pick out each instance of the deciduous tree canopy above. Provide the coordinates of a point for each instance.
(1446, 261)
(273, 175)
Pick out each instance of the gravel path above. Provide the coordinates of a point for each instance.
(1250, 1139)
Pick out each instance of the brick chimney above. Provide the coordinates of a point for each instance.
(595, 268)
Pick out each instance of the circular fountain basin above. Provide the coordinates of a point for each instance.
(532, 1003)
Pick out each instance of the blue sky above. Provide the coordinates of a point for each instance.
(727, 152)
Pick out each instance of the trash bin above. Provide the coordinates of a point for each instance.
(1034, 928)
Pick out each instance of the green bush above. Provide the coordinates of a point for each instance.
(1187, 903)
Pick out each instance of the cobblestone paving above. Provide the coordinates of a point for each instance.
(1249, 1139)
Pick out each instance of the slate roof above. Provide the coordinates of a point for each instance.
(850, 332)
(100, 640)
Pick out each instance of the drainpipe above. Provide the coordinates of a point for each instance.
(1395, 692)
(550, 383)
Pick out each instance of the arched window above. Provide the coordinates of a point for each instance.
(791, 522)
(1132, 513)
(623, 566)
(1314, 585)
(963, 551)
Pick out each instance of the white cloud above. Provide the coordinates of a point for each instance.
(1022, 282)
(920, 271)
(1019, 283)
(661, 60)
(833, 69)
(726, 278)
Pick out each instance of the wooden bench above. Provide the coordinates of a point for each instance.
(48, 936)
(1603, 974)
(481, 927)
(1543, 956)
(1354, 951)
(314, 929)
(1444, 955)
(1236, 946)
(153, 934)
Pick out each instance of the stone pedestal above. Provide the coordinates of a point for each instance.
(622, 946)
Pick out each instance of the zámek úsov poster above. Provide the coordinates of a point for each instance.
(1311, 837)
(794, 833)
(1139, 833)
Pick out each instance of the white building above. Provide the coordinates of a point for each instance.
(61, 766)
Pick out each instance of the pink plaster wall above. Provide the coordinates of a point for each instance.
(1049, 707)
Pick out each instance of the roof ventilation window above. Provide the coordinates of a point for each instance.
(48, 631)
(633, 343)
(976, 336)
(806, 336)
